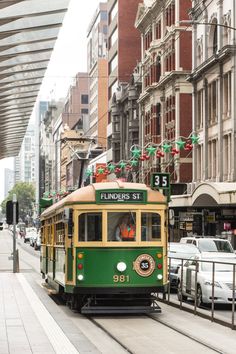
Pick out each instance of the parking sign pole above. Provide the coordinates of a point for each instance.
(14, 200)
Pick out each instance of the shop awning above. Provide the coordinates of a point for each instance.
(28, 31)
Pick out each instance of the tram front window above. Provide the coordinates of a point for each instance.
(90, 227)
(121, 226)
(150, 227)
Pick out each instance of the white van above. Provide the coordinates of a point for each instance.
(209, 244)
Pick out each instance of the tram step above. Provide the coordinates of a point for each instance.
(95, 309)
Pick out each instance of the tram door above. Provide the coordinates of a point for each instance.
(69, 247)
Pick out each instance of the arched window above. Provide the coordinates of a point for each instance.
(199, 54)
(214, 40)
(158, 68)
(226, 34)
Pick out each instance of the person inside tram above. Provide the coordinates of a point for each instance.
(125, 230)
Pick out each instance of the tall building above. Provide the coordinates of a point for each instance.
(123, 55)
(98, 71)
(166, 100)
(8, 181)
(76, 107)
(41, 108)
(24, 164)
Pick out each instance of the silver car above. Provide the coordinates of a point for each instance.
(200, 284)
(176, 253)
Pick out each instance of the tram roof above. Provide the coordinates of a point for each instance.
(28, 31)
(88, 194)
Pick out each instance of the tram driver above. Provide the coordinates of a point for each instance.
(126, 229)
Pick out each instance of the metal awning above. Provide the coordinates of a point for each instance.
(28, 31)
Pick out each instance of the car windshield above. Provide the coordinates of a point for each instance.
(208, 267)
(215, 246)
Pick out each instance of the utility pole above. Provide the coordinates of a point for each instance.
(15, 252)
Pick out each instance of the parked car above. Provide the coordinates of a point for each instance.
(30, 232)
(37, 243)
(223, 279)
(33, 237)
(209, 244)
(176, 253)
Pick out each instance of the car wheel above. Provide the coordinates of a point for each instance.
(199, 296)
(179, 293)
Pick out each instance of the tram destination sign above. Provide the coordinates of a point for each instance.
(118, 196)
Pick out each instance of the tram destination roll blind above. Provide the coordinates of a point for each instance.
(118, 196)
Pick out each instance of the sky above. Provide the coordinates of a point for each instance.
(69, 57)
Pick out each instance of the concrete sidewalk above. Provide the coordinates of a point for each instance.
(25, 324)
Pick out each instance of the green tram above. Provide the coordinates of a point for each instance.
(83, 259)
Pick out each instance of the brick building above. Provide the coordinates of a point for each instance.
(166, 100)
(123, 55)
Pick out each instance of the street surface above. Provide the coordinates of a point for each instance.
(172, 331)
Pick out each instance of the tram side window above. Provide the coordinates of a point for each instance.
(90, 227)
(150, 227)
(121, 226)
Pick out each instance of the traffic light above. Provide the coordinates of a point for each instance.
(9, 212)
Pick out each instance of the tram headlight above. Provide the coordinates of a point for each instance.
(121, 266)
(159, 276)
(80, 277)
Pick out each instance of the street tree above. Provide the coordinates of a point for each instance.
(25, 193)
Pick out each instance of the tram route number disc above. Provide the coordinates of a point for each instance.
(144, 265)
(160, 180)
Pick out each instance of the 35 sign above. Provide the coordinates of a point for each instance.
(160, 180)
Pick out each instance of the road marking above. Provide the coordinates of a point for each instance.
(56, 336)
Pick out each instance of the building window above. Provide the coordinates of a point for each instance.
(105, 29)
(199, 162)
(199, 118)
(84, 111)
(113, 64)
(103, 15)
(212, 161)
(113, 12)
(227, 95)
(158, 30)
(113, 88)
(199, 54)
(158, 119)
(212, 102)
(158, 68)
(84, 99)
(113, 37)
(213, 38)
(226, 157)
(148, 39)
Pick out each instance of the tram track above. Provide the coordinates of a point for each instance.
(186, 334)
(109, 334)
(200, 346)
